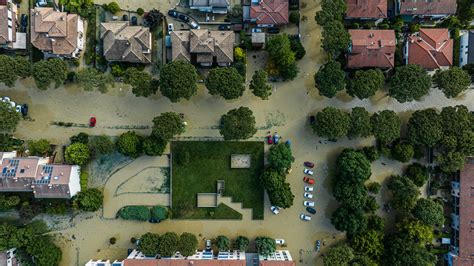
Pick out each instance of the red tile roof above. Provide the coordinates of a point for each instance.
(372, 48)
(431, 48)
(427, 8)
(179, 262)
(273, 12)
(374, 9)
(277, 263)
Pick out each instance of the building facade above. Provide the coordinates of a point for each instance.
(429, 48)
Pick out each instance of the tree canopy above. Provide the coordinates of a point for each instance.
(148, 244)
(386, 126)
(370, 243)
(453, 81)
(101, 145)
(339, 255)
(400, 251)
(279, 191)
(403, 152)
(425, 127)
(405, 193)
(280, 156)
(349, 193)
(259, 85)
(178, 80)
(330, 79)
(13, 67)
(410, 82)
(89, 200)
(223, 243)
(352, 221)
(77, 153)
(226, 82)
(168, 244)
(265, 245)
(90, 78)
(417, 173)
(238, 124)
(282, 56)
(129, 143)
(241, 243)
(49, 71)
(330, 11)
(187, 244)
(353, 165)
(167, 125)
(429, 212)
(142, 83)
(360, 126)
(335, 38)
(9, 117)
(331, 123)
(365, 83)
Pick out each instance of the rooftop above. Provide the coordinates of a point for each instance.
(430, 48)
(372, 48)
(427, 7)
(270, 12)
(373, 9)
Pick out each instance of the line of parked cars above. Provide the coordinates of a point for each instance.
(20, 108)
(308, 192)
(182, 17)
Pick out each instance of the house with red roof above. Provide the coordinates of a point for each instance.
(366, 9)
(429, 48)
(269, 13)
(427, 9)
(371, 48)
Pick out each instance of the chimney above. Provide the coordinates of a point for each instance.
(371, 35)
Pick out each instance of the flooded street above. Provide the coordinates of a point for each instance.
(286, 112)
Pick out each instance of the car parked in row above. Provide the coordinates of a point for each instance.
(224, 27)
(308, 172)
(305, 217)
(311, 210)
(308, 203)
(279, 241)
(275, 209)
(183, 18)
(308, 188)
(308, 195)
(173, 14)
(308, 164)
(308, 180)
(194, 25)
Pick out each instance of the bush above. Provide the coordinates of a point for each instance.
(39, 147)
(140, 11)
(295, 17)
(80, 138)
(371, 153)
(89, 200)
(403, 152)
(159, 212)
(113, 7)
(140, 213)
(374, 187)
(100, 145)
(84, 179)
(77, 153)
(129, 144)
(417, 173)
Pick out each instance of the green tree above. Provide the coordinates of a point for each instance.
(457, 124)
(8, 202)
(349, 193)
(370, 243)
(226, 82)
(167, 244)
(386, 126)
(410, 82)
(223, 243)
(44, 251)
(360, 126)
(265, 245)
(238, 124)
(429, 212)
(272, 179)
(101, 145)
(405, 193)
(46, 72)
(294, 17)
(371, 204)
(113, 7)
(77, 153)
(366, 83)
(374, 187)
(241, 243)
(187, 244)
(90, 78)
(80, 138)
(129, 144)
(330, 79)
(451, 162)
(465, 12)
(416, 231)
(330, 11)
(259, 85)
(371, 153)
(141, 82)
(283, 197)
(375, 222)
(89, 200)
(339, 255)
(140, 11)
(403, 152)
(453, 81)
(178, 80)
(353, 165)
(417, 173)
(280, 156)
(148, 244)
(13, 67)
(139, 213)
(332, 123)
(22, 66)
(154, 146)
(281, 56)
(167, 125)
(335, 38)
(39, 147)
(297, 47)
(425, 127)
(9, 118)
(399, 251)
(352, 221)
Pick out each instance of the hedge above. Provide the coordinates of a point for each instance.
(140, 213)
(84, 177)
(159, 212)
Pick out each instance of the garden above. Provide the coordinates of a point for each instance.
(196, 167)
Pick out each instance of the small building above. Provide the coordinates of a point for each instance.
(9, 37)
(371, 48)
(269, 13)
(466, 47)
(8, 258)
(57, 34)
(210, 6)
(258, 39)
(426, 9)
(429, 48)
(125, 43)
(203, 47)
(366, 9)
(39, 176)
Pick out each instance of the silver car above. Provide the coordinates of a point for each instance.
(308, 203)
(305, 217)
(308, 195)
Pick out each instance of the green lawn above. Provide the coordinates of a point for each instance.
(197, 165)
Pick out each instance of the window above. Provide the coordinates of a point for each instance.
(22, 171)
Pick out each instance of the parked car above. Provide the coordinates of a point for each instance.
(92, 121)
(154, 220)
(224, 27)
(312, 120)
(115, 18)
(273, 30)
(311, 210)
(134, 21)
(308, 172)
(41, 3)
(6, 99)
(270, 139)
(309, 164)
(308, 180)
(208, 245)
(24, 22)
(318, 245)
(183, 17)
(275, 209)
(13, 104)
(305, 217)
(308, 203)
(125, 17)
(170, 27)
(173, 14)
(279, 241)
(308, 188)
(276, 139)
(18, 108)
(288, 142)
(194, 25)
(256, 30)
(308, 195)
(24, 109)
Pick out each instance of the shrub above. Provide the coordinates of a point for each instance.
(371, 153)
(80, 138)
(140, 11)
(84, 179)
(77, 153)
(140, 213)
(295, 17)
(39, 147)
(89, 200)
(374, 187)
(129, 144)
(159, 212)
(113, 8)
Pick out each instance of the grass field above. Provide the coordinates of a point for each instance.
(197, 165)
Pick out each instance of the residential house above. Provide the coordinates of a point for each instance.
(204, 47)
(466, 47)
(371, 48)
(426, 9)
(258, 40)
(57, 34)
(268, 13)
(462, 239)
(210, 6)
(37, 175)
(366, 9)
(429, 48)
(9, 37)
(125, 43)
(8, 258)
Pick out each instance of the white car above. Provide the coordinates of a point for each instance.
(18, 108)
(305, 217)
(170, 27)
(194, 25)
(308, 188)
(279, 241)
(275, 209)
(13, 104)
(308, 195)
(308, 203)
(6, 99)
(308, 172)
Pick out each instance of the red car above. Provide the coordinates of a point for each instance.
(309, 164)
(308, 180)
(92, 121)
(270, 139)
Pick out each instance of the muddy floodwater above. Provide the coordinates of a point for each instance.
(87, 236)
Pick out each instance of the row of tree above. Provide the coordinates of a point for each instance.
(335, 38)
